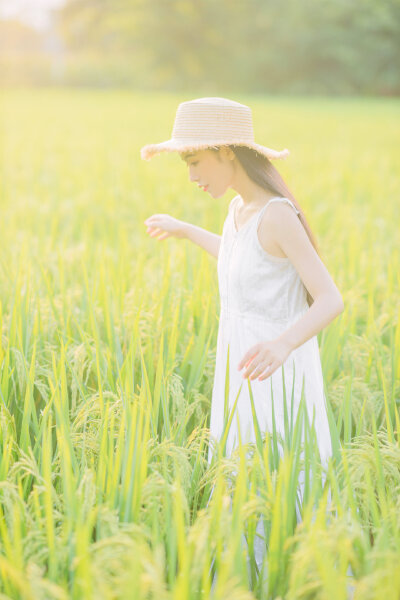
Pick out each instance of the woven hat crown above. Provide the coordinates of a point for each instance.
(213, 119)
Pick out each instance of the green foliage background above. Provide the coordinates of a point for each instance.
(329, 47)
(311, 46)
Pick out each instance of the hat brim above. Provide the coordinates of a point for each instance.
(150, 150)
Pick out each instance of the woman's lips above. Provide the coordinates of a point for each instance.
(204, 187)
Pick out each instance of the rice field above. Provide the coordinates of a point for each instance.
(108, 341)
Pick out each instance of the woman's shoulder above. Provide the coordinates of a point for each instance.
(279, 211)
(281, 205)
(278, 222)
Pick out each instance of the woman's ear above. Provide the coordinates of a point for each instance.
(227, 152)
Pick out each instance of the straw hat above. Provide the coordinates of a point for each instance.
(207, 122)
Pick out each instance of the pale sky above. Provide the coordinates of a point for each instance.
(32, 12)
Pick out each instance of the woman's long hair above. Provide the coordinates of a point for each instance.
(260, 170)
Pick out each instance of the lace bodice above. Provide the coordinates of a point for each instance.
(252, 281)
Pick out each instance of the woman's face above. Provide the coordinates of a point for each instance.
(210, 169)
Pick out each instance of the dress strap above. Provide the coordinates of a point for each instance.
(232, 203)
(276, 199)
(279, 199)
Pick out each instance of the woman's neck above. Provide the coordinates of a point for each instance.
(256, 200)
(251, 194)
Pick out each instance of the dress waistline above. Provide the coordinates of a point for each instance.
(250, 315)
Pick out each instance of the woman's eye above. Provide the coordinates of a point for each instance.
(194, 163)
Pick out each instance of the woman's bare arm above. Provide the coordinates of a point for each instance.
(162, 226)
(205, 239)
(292, 238)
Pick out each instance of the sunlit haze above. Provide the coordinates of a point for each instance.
(36, 13)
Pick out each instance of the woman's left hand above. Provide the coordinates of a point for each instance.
(263, 359)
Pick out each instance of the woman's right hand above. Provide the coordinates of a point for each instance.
(162, 226)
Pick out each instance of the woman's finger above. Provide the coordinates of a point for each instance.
(261, 368)
(248, 357)
(251, 352)
(250, 366)
(155, 232)
(268, 372)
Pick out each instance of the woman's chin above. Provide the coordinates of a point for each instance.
(216, 195)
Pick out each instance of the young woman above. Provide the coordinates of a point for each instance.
(276, 294)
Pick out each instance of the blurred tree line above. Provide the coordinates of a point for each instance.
(273, 46)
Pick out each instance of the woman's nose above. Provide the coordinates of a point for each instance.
(192, 175)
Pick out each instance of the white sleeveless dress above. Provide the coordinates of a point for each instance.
(261, 295)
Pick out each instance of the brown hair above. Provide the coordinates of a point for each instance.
(260, 170)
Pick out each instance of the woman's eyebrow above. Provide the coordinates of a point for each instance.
(187, 156)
